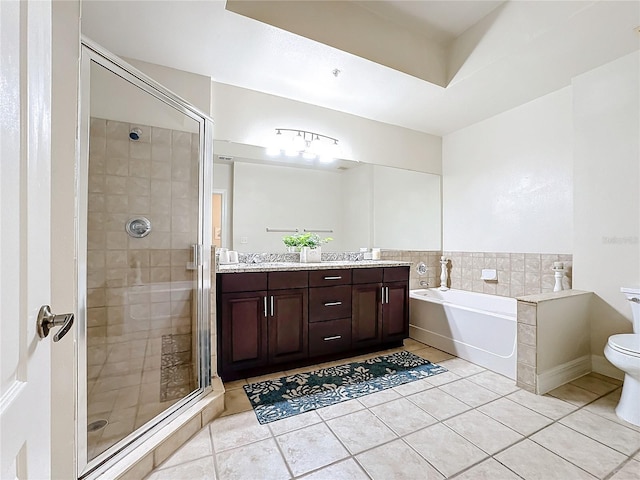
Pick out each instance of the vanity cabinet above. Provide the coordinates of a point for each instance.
(380, 302)
(269, 320)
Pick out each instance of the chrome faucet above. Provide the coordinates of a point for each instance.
(424, 283)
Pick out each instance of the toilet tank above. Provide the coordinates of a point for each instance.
(633, 295)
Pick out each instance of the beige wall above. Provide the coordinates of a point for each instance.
(607, 194)
(507, 181)
(247, 116)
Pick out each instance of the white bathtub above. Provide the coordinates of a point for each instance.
(477, 327)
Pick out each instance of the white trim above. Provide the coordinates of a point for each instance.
(601, 365)
(562, 374)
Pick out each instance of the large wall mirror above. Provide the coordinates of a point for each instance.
(258, 199)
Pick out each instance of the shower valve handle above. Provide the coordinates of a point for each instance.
(47, 320)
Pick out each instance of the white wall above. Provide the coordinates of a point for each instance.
(116, 99)
(607, 192)
(223, 183)
(355, 207)
(265, 196)
(247, 116)
(406, 209)
(507, 181)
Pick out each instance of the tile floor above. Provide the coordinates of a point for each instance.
(468, 424)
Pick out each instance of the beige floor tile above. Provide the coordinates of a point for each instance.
(461, 367)
(574, 394)
(234, 384)
(311, 448)
(548, 406)
(612, 434)
(236, 401)
(402, 416)
(258, 460)
(438, 404)
(397, 461)
(360, 431)
(596, 384)
(379, 397)
(340, 409)
(344, 470)
(442, 378)
(483, 431)
(532, 462)
(615, 381)
(488, 470)
(412, 387)
(469, 392)
(629, 471)
(580, 450)
(494, 382)
(445, 449)
(237, 430)
(202, 469)
(606, 407)
(197, 447)
(515, 416)
(293, 423)
(411, 345)
(432, 354)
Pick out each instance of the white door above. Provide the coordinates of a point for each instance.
(25, 164)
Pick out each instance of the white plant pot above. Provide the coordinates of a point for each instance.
(293, 249)
(310, 255)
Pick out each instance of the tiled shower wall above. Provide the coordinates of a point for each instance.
(518, 273)
(430, 258)
(139, 289)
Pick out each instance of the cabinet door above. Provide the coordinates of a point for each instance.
(288, 327)
(366, 319)
(395, 312)
(243, 330)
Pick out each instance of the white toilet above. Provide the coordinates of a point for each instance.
(623, 351)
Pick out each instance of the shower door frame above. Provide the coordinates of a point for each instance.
(92, 52)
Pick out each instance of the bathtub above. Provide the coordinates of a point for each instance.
(477, 327)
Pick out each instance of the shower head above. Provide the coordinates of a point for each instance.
(135, 134)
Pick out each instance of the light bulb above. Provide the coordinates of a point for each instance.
(317, 146)
(298, 142)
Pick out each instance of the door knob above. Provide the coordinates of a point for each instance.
(47, 320)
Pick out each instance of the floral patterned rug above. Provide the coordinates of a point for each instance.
(288, 396)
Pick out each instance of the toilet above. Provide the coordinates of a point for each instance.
(623, 351)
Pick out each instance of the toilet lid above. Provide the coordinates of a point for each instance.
(626, 342)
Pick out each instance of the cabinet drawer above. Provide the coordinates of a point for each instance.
(367, 275)
(329, 337)
(327, 278)
(396, 274)
(285, 280)
(242, 282)
(328, 303)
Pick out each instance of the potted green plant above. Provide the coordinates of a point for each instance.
(291, 242)
(310, 244)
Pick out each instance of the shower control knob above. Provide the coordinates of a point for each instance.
(47, 320)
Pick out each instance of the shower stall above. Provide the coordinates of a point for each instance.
(145, 222)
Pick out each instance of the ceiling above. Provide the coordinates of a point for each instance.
(474, 59)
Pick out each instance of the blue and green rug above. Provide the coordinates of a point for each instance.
(288, 396)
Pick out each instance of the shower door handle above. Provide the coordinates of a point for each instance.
(47, 320)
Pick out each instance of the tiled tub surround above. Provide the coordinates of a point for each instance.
(518, 273)
(468, 424)
(139, 289)
(553, 339)
(431, 259)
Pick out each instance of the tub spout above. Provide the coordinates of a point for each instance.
(424, 283)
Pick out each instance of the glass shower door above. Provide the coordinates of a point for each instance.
(146, 332)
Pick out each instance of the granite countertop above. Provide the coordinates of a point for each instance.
(289, 266)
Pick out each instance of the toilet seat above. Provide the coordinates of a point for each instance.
(626, 343)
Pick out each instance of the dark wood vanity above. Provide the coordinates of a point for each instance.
(270, 321)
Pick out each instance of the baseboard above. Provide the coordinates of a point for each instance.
(601, 365)
(562, 374)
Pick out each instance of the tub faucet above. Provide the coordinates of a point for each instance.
(424, 283)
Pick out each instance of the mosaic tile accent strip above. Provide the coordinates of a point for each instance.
(175, 369)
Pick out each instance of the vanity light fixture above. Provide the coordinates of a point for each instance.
(308, 145)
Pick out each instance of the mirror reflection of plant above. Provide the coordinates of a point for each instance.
(311, 240)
